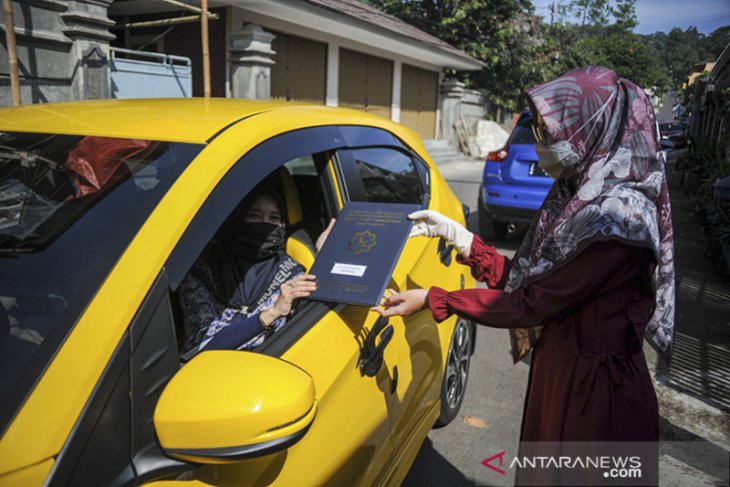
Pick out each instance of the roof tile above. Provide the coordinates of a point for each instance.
(374, 17)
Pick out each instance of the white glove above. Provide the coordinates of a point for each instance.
(433, 224)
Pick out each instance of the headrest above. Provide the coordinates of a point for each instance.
(291, 197)
(300, 248)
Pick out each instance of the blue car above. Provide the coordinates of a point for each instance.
(513, 185)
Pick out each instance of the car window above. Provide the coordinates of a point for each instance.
(203, 298)
(302, 166)
(69, 206)
(389, 176)
(522, 134)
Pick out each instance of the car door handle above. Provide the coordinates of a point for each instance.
(371, 358)
(444, 252)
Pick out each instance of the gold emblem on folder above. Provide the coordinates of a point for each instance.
(362, 242)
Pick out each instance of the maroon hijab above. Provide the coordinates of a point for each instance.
(617, 190)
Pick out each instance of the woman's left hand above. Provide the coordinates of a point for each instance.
(299, 287)
(323, 236)
(402, 304)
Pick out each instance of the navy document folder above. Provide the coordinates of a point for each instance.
(358, 258)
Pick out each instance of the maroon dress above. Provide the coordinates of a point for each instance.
(588, 377)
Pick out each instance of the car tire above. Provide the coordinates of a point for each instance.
(453, 385)
(491, 229)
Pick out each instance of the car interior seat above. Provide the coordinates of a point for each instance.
(299, 244)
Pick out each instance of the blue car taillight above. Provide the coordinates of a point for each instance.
(498, 155)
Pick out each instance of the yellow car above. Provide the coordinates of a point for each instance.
(104, 208)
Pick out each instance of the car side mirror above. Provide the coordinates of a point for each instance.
(666, 144)
(226, 406)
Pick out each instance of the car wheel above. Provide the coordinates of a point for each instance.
(491, 229)
(453, 386)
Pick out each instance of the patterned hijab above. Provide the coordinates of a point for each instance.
(618, 190)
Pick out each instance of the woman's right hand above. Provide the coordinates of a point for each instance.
(433, 224)
(299, 287)
(402, 304)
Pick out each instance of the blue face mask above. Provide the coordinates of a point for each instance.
(558, 159)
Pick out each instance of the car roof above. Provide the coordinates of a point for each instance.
(193, 120)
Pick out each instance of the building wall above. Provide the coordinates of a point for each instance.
(419, 100)
(300, 69)
(53, 43)
(459, 103)
(695, 74)
(711, 112)
(62, 49)
(183, 40)
(335, 48)
(365, 82)
(473, 107)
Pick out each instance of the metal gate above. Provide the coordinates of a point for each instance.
(140, 74)
(419, 96)
(300, 70)
(365, 82)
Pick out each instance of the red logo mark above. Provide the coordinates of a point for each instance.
(487, 462)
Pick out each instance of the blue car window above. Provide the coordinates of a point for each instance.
(522, 134)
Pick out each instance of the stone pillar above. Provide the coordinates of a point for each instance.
(87, 25)
(452, 91)
(63, 50)
(333, 74)
(397, 81)
(251, 61)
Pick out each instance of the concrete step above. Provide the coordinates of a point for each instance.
(436, 143)
(441, 151)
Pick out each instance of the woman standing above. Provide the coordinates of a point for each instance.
(594, 274)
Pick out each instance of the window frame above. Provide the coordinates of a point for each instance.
(354, 183)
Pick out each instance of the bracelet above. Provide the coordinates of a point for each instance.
(263, 325)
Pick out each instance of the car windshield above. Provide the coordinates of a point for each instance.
(669, 127)
(69, 206)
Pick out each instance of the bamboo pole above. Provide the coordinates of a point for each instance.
(186, 6)
(12, 52)
(162, 22)
(206, 53)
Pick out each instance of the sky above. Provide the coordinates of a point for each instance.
(663, 15)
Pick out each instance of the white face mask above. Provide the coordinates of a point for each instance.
(557, 159)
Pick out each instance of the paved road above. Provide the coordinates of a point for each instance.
(490, 417)
(665, 112)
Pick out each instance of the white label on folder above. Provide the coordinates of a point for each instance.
(348, 269)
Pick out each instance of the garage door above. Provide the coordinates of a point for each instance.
(300, 70)
(365, 82)
(419, 95)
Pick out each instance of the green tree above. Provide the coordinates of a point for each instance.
(505, 35)
(679, 50)
(711, 46)
(601, 32)
(586, 12)
(625, 14)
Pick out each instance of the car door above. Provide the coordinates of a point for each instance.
(348, 443)
(393, 173)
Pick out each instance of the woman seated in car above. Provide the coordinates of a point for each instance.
(244, 285)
